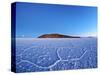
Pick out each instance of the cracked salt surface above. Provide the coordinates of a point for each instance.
(55, 54)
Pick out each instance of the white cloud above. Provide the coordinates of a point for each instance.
(23, 35)
(89, 34)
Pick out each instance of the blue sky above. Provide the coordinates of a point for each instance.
(33, 20)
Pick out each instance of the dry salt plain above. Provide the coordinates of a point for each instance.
(38, 54)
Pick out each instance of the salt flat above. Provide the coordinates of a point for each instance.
(33, 55)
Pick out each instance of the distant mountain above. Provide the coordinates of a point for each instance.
(56, 36)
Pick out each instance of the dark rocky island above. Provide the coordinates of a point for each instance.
(57, 36)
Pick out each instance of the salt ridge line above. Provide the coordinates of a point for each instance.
(37, 47)
(31, 63)
(60, 59)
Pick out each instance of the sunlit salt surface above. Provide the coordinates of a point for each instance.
(33, 55)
